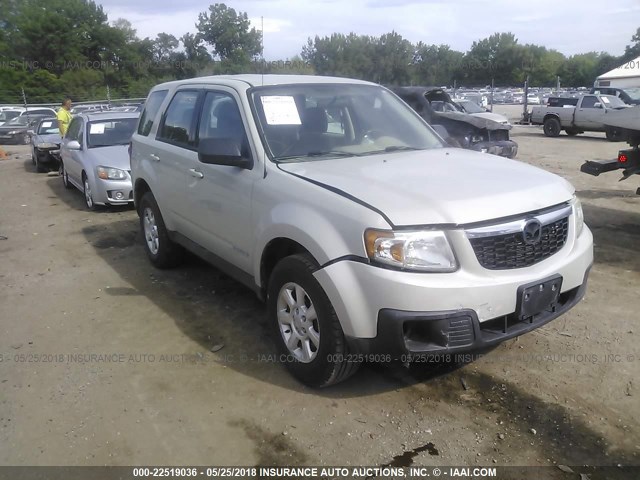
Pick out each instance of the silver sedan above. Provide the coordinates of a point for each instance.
(95, 157)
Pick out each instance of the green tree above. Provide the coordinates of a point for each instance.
(230, 35)
(632, 51)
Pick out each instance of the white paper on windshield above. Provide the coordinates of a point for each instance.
(281, 110)
(604, 99)
(46, 124)
(96, 128)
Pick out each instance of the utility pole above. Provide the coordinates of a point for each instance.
(24, 101)
(108, 96)
(492, 87)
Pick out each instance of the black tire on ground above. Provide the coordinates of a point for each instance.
(613, 134)
(65, 176)
(552, 127)
(39, 167)
(331, 363)
(168, 254)
(24, 139)
(571, 132)
(33, 156)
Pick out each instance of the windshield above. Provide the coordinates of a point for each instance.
(22, 120)
(8, 115)
(634, 93)
(471, 107)
(105, 133)
(612, 102)
(318, 121)
(48, 127)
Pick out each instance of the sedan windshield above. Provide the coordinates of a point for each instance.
(48, 127)
(18, 121)
(306, 122)
(106, 133)
(471, 107)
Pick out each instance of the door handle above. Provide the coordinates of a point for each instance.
(154, 157)
(196, 173)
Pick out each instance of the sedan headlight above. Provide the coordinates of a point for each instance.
(109, 173)
(13, 132)
(424, 251)
(578, 215)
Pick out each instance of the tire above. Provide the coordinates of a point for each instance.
(88, 194)
(39, 167)
(571, 132)
(292, 294)
(552, 127)
(24, 139)
(33, 156)
(613, 134)
(162, 252)
(65, 176)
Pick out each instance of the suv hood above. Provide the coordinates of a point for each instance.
(441, 186)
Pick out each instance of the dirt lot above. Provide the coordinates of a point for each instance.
(75, 284)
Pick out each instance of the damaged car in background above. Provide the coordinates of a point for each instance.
(462, 129)
(45, 145)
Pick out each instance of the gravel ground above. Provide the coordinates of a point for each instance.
(107, 361)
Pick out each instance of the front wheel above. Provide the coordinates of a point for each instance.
(162, 252)
(305, 326)
(88, 194)
(65, 176)
(24, 139)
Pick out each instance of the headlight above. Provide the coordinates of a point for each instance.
(108, 173)
(424, 251)
(13, 132)
(578, 215)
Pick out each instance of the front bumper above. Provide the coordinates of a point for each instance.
(503, 148)
(406, 334)
(46, 155)
(372, 302)
(108, 192)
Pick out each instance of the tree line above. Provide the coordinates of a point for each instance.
(55, 48)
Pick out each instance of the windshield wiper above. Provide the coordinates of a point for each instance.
(394, 148)
(315, 154)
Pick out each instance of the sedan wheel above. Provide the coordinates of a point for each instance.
(65, 177)
(88, 196)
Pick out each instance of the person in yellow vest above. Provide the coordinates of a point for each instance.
(64, 116)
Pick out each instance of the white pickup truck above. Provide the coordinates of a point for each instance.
(589, 115)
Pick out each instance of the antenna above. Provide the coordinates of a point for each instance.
(262, 48)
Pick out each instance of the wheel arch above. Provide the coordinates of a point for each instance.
(274, 251)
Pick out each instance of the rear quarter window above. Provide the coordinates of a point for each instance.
(150, 111)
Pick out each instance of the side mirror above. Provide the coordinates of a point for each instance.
(223, 151)
(74, 145)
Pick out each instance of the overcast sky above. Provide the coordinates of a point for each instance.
(569, 26)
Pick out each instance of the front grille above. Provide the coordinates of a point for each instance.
(508, 251)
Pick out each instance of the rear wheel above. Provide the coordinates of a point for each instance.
(162, 252)
(571, 132)
(552, 127)
(613, 134)
(305, 326)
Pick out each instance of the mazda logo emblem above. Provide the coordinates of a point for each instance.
(532, 232)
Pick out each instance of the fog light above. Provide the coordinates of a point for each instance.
(118, 195)
(484, 150)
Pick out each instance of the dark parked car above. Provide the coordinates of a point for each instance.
(463, 130)
(45, 144)
(19, 129)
